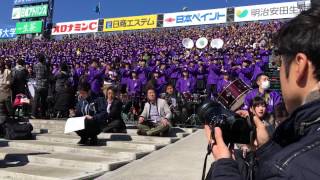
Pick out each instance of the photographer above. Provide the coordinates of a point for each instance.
(296, 140)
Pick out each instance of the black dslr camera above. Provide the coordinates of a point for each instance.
(235, 129)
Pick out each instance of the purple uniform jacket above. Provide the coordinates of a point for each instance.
(96, 79)
(222, 85)
(214, 74)
(273, 98)
(174, 71)
(185, 85)
(142, 74)
(125, 76)
(79, 71)
(257, 70)
(245, 74)
(134, 86)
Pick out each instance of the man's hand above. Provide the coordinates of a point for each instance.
(220, 149)
(164, 122)
(141, 119)
(88, 117)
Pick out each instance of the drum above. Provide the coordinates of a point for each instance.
(31, 85)
(233, 95)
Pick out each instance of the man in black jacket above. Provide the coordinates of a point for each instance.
(19, 79)
(293, 151)
(41, 89)
(94, 110)
(114, 110)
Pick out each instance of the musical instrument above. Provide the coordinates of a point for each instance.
(187, 43)
(216, 43)
(202, 43)
(233, 95)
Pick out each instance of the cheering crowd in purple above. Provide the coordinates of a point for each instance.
(132, 61)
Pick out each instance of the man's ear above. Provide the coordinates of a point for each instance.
(302, 67)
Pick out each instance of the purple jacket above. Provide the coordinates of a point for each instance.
(214, 74)
(185, 85)
(96, 79)
(273, 98)
(134, 86)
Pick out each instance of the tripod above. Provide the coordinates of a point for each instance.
(194, 119)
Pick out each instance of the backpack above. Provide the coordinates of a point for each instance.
(18, 129)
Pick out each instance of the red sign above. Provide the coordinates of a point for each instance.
(75, 27)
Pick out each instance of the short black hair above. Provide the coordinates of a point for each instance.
(151, 89)
(20, 62)
(84, 86)
(169, 84)
(41, 57)
(64, 67)
(256, 101)
(300, 35)
(260, 75)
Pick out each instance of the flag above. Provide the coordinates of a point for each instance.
(98, 8)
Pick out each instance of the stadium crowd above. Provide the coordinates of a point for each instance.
(49, 72)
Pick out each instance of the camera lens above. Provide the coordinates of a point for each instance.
(235, 129)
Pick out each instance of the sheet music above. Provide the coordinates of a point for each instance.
(74, 124)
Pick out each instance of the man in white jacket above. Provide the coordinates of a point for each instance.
(156, 115)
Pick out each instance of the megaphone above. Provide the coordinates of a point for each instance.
(187, 43)
(217, 43)
(202, 43)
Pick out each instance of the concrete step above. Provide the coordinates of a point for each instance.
(30, 171)
(57, 126)
(116, 137)
(130, 132)
(85, 163)
(143, 146)
(125, 154)
(137, 138)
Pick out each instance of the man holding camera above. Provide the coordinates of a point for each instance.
(293, 151)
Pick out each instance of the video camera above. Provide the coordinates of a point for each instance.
(235, 129)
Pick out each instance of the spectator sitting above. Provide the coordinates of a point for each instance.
(95, 112)
(114, 107)
(155, 118)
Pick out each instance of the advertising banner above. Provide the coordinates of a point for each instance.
(28, 12)
(270, 11)
(7, 33)
(130, 23)
(75, 27)
(29, 27)
(212, 16)
(23, 2)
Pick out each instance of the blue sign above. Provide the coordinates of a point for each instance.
(22, 2)
(7, 33)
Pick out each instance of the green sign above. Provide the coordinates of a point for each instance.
(29, 27)
(31, 11)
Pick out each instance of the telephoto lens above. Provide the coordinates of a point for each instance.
(235, 129)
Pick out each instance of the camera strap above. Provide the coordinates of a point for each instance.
(209, 150)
